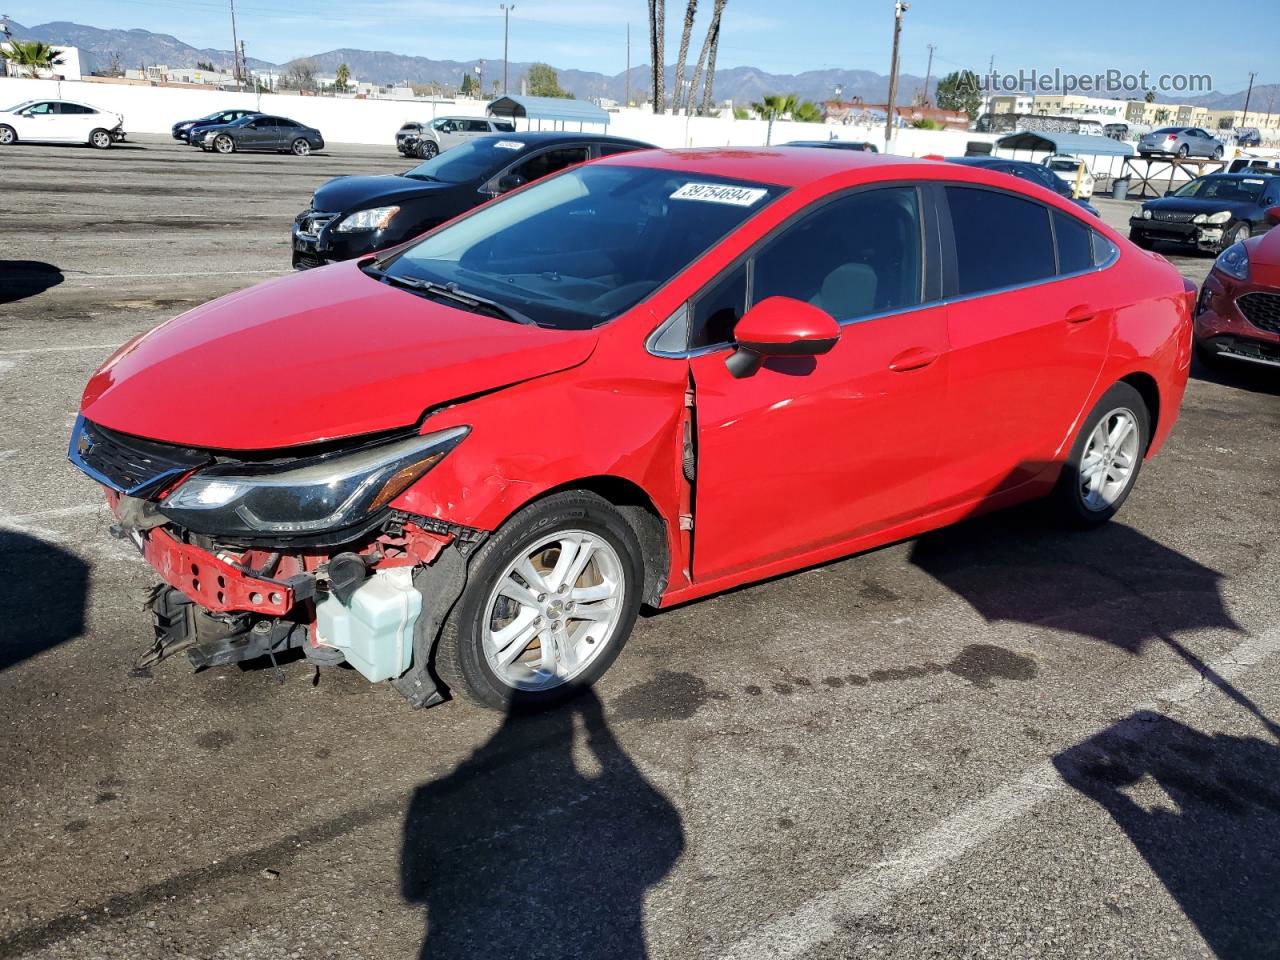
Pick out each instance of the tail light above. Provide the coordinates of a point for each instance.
(1189, 296)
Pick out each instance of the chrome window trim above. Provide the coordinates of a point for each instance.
(686, 307)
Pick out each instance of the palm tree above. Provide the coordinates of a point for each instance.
(32, 55)
(807, 112)
(657, 52)
(774, 106)
(680, 95)
(713, 32)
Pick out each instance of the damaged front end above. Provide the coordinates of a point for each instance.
(294, 550)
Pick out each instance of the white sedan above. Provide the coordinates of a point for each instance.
(1069, 169)
(60, 121)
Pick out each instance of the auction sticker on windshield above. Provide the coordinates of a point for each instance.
(509, 145)
(719, 193)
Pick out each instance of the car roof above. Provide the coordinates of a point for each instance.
(538, 137)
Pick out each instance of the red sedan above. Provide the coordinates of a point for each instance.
(466, 463)
(1238, 315)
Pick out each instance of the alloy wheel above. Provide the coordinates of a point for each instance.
(101, 139)
(7, 136)
(554, 610)
(1110, 460)
(428, 150)
(224, 144)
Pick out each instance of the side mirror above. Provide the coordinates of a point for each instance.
(510, 181)
(780, 327)
(1168, 193)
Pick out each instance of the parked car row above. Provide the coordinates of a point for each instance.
(60, 121)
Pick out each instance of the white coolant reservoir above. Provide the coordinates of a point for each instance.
(375, 630)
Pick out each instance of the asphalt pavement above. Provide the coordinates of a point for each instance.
(997, 740)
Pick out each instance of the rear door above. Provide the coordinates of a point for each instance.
(1028, 327)
(476, 128)
(287, 131)
(812, 451)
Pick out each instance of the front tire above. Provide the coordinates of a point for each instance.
(1105, 459)
(300, 147)
(428, 149)
(1237, 234)
(100, 139)
(8, 135)
(550, 600)
(224, 144)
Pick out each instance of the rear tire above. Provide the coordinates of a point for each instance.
(469, 654)
(1217, 153)
(224, 144)
(1184, 151)
(100, 138)
(301, 147)
(7, 135)
(1104, 461)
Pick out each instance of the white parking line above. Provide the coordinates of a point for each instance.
(821, 918)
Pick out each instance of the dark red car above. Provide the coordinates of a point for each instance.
(467, 462)
(1238, 313)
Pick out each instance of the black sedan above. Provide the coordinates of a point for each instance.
(353, 216)
(262, 132)
(191, 131)
(1210, 213)
(1026, 170)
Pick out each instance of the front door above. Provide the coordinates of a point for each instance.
(810, 451)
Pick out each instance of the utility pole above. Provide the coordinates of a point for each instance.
(899, 8)
(928, 73)
(244, 64)
(506, 24)
(627, 101)
(1248, 95)
(235, 44)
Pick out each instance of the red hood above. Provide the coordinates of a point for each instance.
(1264, 259)
(313, 356)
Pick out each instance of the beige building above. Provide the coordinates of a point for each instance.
(1012, 103)
(1222, 120)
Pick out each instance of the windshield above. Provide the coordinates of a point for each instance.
(1167, 130)
(1233, 189)
(474, 160)
(575, 250)
(18, 106)
(1070, 165)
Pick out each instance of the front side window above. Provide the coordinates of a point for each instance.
(544, 164)
(855, 256)
(41, 109)
(1000, 240)
(576, 250)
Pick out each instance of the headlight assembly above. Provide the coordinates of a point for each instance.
(1234, 261)
(374, 218)
(1221, 216)
(306, 496)
(1146, 214)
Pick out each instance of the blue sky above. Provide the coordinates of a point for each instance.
(1226, 39)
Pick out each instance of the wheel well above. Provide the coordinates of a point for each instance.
(1145, 384)
(645, 520)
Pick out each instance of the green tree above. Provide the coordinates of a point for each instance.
(206, 65)
(774, 106)
(543, 82)
(342, 81)
(469, 86)
(32, 56)
(1150, 96)
(741, 113)
(958, 90)
(808, 112)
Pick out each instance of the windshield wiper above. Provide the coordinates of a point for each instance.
(450, 292)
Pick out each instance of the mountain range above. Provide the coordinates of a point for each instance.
(740, 84)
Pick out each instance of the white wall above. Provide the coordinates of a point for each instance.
(345, 120)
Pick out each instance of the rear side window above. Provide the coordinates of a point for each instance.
(1001, 240)
(1075, 243)
(477, 126)
(1104, 251)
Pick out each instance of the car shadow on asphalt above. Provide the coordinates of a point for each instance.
(43, 592)
(1203, 810)
(20, 279)
(533, 847)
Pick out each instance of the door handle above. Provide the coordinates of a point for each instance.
(913, 359)
(1080, 313)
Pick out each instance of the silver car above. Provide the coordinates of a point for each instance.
(428, 139)
(1181, 142)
